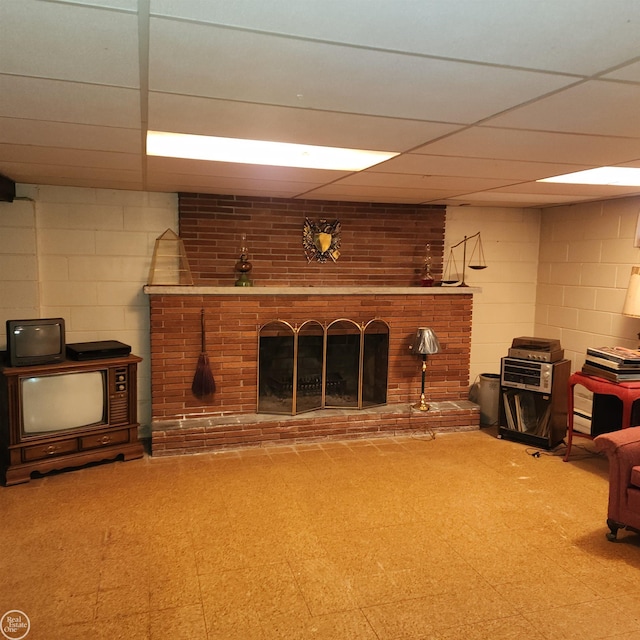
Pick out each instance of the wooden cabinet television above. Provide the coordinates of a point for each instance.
(67, 414)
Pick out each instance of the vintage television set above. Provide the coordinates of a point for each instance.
(35, 341)
(67, 414)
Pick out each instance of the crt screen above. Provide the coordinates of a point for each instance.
(37, 340)
(62, 401)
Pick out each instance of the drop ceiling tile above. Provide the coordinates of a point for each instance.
(61, 174)
(69, 42)
(588, 190)
(493, 198)
(68, 136)
(223, 184)
(128, 5)
(328, 73)
(221, 63)
(535, 146)
(69, 157)
(431, 182)
(207, 116)
(596, 107)
(630, 73)
(427, 165)
(521, 33)
(238, 170)
(380, 194)
(69, 102)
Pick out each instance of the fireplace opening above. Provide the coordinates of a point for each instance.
(313, 366)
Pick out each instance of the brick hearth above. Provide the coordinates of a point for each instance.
(174, 437)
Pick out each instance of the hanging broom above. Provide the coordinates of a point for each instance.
(203, 385)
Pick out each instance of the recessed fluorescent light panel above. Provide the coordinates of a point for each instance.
(614, 176)
(278, 154)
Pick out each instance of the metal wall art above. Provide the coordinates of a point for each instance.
(321, 240)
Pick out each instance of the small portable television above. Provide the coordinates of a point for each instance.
(35, 341)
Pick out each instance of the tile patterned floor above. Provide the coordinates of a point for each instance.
(463, 536)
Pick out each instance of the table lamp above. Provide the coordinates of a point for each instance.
(425, 344)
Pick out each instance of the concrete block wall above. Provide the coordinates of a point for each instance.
(586, 254)
(505, 308)
(576, 294)
(84, 255)
(19, 277)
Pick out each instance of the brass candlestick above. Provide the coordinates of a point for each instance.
(243, 266)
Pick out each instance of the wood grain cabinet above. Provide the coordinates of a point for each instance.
(67, 415)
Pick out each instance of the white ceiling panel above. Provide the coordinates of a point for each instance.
(226, 184)
(553, 188)
(498, 199)
(66, 42)
(69, 157)
(375, 179)
(206, 116)
(382, 193)
(536, 146)
(416, 163)
(221, 63)
(518, 33)
(45, 172)
(630, 72)
(480, 99)
(123, 5)
(65, 135)
(596, 107)
(238, 170)
(61, 101)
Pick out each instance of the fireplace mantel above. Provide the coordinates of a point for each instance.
(182, 290)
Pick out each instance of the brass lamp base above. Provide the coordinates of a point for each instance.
(422, 405)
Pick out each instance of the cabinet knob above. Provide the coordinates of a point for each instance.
(105, 440)
(51, 449)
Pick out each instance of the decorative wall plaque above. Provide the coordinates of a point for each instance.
(321, 240)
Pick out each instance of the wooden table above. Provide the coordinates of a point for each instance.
(628, 392)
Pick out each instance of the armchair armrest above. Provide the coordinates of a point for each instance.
(623, 444)
(623, 452)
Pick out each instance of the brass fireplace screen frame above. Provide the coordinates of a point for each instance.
(336, 365)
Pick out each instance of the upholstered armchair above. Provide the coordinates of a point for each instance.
(623, 451)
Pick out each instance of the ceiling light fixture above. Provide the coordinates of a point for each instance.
(614, 176)
(278, 154)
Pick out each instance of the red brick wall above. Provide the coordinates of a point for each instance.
(232, 323)
(382, 244)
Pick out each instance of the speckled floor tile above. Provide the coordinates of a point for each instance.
(461, 536)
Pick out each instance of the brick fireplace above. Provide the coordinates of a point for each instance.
(184, 424)
(382, 250)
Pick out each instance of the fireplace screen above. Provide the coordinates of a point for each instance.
(341, 365)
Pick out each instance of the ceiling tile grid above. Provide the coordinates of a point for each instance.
(479, 99)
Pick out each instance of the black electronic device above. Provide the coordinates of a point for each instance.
(97, 350)
(7, 189)
(540, 349)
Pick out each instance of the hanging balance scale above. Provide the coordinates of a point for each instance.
(476, 261)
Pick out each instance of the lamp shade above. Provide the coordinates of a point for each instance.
(426, 341)
(632, 301)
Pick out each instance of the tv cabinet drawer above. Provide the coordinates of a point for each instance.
(104, 439)
(42, 451)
